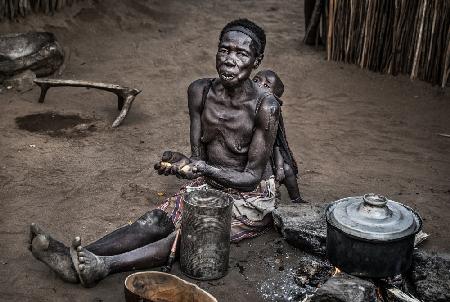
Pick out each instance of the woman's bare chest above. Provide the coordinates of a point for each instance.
(233, 124)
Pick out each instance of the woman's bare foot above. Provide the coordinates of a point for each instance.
(53, 253)
(90, 267)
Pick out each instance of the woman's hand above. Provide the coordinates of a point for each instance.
(193, 170)
(171, 163)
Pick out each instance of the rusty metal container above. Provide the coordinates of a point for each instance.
(205, 234)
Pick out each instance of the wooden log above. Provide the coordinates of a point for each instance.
(441, 45)
(419, 40)
(313, 27)
(2, 9)
(125, 95)
(420, 237)
(324, 25)
(308, 8)
(35, 5)
(330, 29)
(446, 73)
(422, 70)
(395, 294)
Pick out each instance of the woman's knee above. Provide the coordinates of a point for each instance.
(152, 218)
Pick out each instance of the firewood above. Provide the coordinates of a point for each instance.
(313, 26)
(330, 29)
(397, 295)
(392, 36)
(446, 73)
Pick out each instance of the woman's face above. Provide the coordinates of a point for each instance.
(235, 58)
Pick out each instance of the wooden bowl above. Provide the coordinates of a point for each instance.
(162, 287)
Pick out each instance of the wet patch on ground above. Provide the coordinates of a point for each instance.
(56, 124)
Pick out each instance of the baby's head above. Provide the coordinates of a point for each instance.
(269, 81)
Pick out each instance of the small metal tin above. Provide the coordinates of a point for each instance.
(205, 234)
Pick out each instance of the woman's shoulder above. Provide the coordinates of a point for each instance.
(197, 92)
(199, 85)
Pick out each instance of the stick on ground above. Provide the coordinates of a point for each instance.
(125, 95)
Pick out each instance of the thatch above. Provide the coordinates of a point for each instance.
(12, 9)
(392, 36)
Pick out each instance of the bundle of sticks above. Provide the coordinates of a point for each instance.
(392, 36)
(12, 9)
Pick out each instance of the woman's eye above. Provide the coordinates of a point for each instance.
(222, 50)
(244, 54)
(267, 86)
(255, 80)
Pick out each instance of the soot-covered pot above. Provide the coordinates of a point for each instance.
(371, 236)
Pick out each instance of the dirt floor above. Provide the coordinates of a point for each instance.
(352, 132)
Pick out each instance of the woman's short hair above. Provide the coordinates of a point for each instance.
(254, 31)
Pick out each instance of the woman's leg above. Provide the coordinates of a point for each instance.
(93, 268)
(150, 227)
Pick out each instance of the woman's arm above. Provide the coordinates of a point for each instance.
(177, 160)
(195, 95)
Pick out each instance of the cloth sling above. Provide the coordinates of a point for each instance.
(283, 145)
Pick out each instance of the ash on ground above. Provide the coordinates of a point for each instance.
(294, 275)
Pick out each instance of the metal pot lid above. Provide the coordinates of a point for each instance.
(373, 217)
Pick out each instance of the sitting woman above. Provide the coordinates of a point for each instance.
(233, 125)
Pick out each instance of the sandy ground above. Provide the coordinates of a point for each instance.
(352, 131)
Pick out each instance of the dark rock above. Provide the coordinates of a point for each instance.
(313, 271)
(346, 288)
(35, 51)
(303, 226)
(430, 274)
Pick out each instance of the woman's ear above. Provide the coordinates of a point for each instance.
(258, 61)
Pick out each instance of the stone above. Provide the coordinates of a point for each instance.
(303, 226)
(21, 82)
(430, 274)
(346, 288)
(39, 52)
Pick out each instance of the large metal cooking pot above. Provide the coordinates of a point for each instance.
(371, 236)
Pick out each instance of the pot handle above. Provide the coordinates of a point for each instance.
(375, 200)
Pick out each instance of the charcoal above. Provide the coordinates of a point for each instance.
(312, 271)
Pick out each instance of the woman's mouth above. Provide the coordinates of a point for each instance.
(226, 76)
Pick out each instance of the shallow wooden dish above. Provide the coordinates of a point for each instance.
(162, 287)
